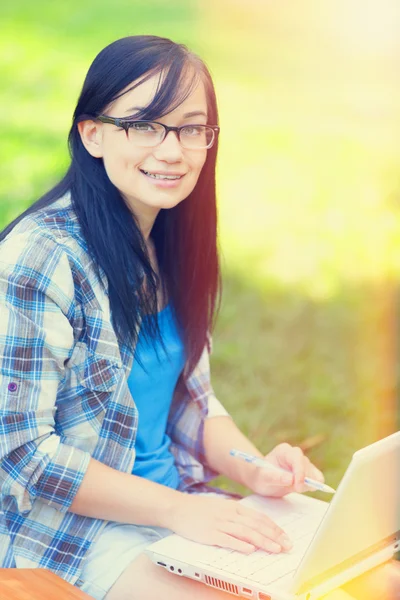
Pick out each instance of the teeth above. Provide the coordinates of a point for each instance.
(158, 176)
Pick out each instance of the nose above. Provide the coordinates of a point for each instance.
(170, 149)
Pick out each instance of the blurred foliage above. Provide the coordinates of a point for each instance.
(308, 184)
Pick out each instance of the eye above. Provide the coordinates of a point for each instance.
(193, 130)
(143, 127)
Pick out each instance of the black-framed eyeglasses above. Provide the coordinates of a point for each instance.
(148, 134)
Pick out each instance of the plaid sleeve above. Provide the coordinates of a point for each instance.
(200, 387)
(214, 408)
(194, 401)
(36, 338)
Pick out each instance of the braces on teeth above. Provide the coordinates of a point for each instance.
(157, 176)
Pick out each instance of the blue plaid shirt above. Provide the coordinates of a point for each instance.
(64, 395)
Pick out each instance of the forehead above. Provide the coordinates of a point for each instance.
(142, 95)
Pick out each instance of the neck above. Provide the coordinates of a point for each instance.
(144, 216)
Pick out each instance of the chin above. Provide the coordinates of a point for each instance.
(170, 203)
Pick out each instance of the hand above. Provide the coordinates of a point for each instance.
(226, 523)
(268, 482)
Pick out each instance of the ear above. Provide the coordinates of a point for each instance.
(91, 133)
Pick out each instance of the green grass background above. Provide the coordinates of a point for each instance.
(308, 180)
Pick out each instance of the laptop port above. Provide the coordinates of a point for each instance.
(197, 575)
(161, 564)
(262, 596)
(247, 591)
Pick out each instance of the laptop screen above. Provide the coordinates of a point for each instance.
(363, 516)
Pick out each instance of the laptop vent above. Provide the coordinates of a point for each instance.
(222, 585)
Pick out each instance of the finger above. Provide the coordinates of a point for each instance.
(225, 540)
(293, 458)
(314, 473)
(261, 523)
(283, 455)
(298, 467)
(275, 477)
(266, 530)
(256, 520)
(240, 531)
(252, 513)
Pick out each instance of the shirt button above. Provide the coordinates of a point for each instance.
(12, 387)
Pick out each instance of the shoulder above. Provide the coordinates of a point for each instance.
(57, 222)
(46, 250)
(55, 226)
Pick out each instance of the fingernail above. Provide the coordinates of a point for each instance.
(273, 547)
(285, 542)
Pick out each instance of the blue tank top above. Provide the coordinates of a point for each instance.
(152, 391)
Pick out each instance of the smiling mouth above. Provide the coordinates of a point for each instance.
(160, 175)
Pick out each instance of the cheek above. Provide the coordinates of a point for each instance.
(195, 171)
(121, 164)
(198, 163)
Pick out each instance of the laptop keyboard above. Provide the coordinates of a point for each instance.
(300, 528)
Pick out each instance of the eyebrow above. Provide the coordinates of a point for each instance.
(194, 113)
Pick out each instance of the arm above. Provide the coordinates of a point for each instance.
(221, 434)
(203, 428)
(106, 493)
(36, 338)
(111, 495)
(37, 306)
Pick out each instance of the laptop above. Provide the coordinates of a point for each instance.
(332, 542)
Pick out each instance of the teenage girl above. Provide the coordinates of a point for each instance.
(109, 285)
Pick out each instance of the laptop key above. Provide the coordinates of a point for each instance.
(217, 556)
(261, 566)
(231, 568)
(226, 560)
(249, 572)
(300, 528)
(278, 570)
(250, 564)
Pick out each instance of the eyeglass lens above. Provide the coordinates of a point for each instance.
(150, 134)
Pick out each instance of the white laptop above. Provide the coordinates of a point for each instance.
(332, 542)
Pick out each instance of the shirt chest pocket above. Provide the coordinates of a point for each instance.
(96, 361)
(84, 398)
(93, 371)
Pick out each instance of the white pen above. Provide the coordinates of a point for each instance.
(260, 462)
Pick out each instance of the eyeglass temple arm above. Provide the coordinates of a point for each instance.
(125, 124)
(114, 121)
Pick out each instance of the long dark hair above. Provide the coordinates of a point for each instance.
(185, 236)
